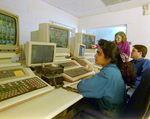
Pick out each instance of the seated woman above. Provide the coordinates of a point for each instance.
(106, 90)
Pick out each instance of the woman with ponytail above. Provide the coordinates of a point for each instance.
(106, 90)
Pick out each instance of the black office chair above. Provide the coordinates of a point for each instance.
(138, 106)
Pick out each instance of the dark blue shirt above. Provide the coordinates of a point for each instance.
(140, 66)
(107, 87)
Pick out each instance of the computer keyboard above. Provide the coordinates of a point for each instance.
(20, 90)
(13, 89)
(77, 71)
(67, 64)
(9, 73)
(81, 62)
(73, 71)
(92, 60)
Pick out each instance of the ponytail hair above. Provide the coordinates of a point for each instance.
(127, 71)
(112, 51)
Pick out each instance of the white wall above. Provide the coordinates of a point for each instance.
(138, 25)
(33, 12)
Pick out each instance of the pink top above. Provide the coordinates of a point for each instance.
(97, 46)
(124, 47)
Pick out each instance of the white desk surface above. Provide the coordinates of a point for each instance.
(45, 106)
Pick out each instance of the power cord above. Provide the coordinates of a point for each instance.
(55, 84)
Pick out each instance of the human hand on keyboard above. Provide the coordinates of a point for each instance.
(89, 66)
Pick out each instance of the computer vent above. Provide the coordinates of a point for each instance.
(112, 2)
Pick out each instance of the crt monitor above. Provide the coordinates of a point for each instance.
(87, 39)
(78, 50)
(54, 34)
(39, 53)
(9, 35)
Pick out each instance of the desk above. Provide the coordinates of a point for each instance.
(45, 106)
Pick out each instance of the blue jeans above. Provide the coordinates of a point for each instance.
(92, 104)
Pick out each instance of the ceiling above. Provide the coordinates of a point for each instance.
(84, 8)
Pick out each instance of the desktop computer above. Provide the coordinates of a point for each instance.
(59, 35)
(17, 83)
(85, 57)
(52, 33)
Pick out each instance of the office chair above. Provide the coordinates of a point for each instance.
(138, 106)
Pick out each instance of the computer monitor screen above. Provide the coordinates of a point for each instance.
(7, 30)
(81, 51)
(42, 54)
(59, 36)
(77, 50)
(9, 35)
(39, 53)
(88, 41)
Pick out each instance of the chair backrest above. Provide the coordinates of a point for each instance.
(140, 100)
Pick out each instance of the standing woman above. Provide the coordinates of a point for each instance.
(122, 43)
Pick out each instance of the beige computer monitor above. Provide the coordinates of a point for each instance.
(54, 34)
(88, 40)
(9, 36)
(39, 53)
(77, 50)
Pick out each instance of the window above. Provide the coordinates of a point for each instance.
(106, 33)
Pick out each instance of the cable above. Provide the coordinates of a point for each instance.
(57, 86)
